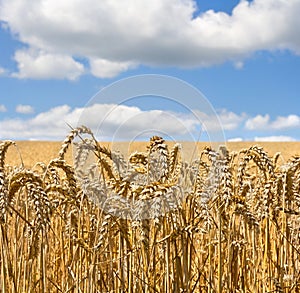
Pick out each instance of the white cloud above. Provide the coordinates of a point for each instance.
(105, 69)
(290, 121)
(126, 122)
(24, 109)
(235, 139)
(2, 71)
(230, 120)
(260, 122)
(121, 122)
(239, 65)
(41, 65)
(2, 108)
(36, 128)
(106, 120)
(155, 33)
(275, 138)
(223, 120)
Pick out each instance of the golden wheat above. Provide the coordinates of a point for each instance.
(225, 222)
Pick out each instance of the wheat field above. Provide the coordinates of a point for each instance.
(210, 220)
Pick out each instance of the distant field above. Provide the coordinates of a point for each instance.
(43, 151)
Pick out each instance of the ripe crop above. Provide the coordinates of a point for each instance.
(225, 222)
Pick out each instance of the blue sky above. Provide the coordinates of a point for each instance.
(244, 56)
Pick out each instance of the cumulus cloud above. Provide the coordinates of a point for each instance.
(231, 120)
(38, 64)
(24, 109)
(108, 121)
(122, 122)
(258, 122)
(36, 128)
(114, 35)
(291, 121)
(235, 139)
(263, 122)
(2, 108)
(105, 69)
(239, 65)
(224, 119)
(119, 122)
(274, 138)
(2, 71)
